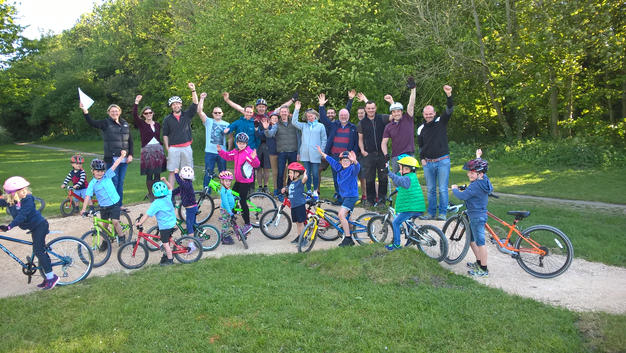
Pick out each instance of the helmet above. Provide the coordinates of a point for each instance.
(242, 137)
(77, 158)
(174, 99)
(186, 172)
(408, 161)
(477, 165)
(98, 164)
(344, 154)
(226, 175)
(396, 106)
(15, 183)
(261, 101)
(159, 189)
(296, 166)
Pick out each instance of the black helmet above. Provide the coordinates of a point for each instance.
(241, 137)
(344, 154)
(98, 164)
(477, 165)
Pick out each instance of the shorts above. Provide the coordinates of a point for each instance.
(178, 157)
(263, 153)
(298, 214)
(349, 202)
(166, 234)
(80, 193)
(110, 212)
(477, 225)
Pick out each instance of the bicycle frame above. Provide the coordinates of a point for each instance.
(321, 214)
(27, 268)
(536, 247)
(11, 254)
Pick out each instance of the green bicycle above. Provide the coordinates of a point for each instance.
(100, 238)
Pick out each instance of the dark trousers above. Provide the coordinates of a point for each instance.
(243, 189)
(335, 157)
(39, 245)
(375, 164)
(283, 159)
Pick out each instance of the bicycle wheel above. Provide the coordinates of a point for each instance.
(558, 256)
(242, 237)
(359, 231)
(457, 232)
(100, 245)
(431, 241)
(275, 225)
(127, 227)
(209, 237)
(67, 208)
(131, 258)
(206, 207)
(187, 257)
(307, 237)
(258, 203)
(155, 231)
(379, 230)
(74, 258)
(325, 230)
(39, 203)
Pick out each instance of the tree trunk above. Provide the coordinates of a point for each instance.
(624, 98)
(554, 106)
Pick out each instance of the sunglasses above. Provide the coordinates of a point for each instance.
(218, 113)
(148, 113)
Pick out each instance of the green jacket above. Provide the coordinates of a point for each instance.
(411, 199)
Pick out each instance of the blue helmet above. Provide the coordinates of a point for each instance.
(159, 189)
(242, 137)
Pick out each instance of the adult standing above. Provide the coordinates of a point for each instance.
(432, 139)
(287, 146)
(400, 129)
(177, 133)
(117, 138)
(153, 160)
(214, 135)
(313, 135)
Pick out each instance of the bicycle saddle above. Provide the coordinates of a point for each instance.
(519, 214)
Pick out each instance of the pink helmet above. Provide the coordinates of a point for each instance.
(226, 175)
(15, 183)
(186, 172)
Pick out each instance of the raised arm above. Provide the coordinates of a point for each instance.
(351, 95)
(136, 118)
(321, 99)
(294, 118)
(449, 103)
(410, 108)
(98, 124)
(200, 108)
(194, 95)
(232, 104)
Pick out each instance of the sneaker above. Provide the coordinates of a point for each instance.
(246, 229)
(478, 272)
(315, 195)
(51, 283)
(472, 265)
(392, 247)
(347, 241)
(266, 189)
(296, 240)
(441, 217)
(167, 262)
(103, 246)
(191, 247)
(259, 189)
(163, 259)
(228, 240)
(426, 217)
(42, 284)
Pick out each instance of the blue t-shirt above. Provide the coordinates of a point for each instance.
(296, 193)
(347, 178)
(214, 132)
(163, 209)
(104, 189)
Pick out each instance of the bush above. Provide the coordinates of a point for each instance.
(5, 137)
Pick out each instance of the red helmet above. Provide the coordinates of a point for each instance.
(296, 166)
(77, 158)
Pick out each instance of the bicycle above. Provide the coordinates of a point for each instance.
(541, 250)
(208, 236)
(100, 238)
(71, 204)
(39, 203)
(428, 238)
(309, 233)
(72, 255)
(135, 254)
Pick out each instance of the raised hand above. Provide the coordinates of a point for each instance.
(253, 154)
(448, 90)
(138, 98)
(295, 96)
(265, 123)
(352, 156)
(321, 98)
(191, 86)
(410, 82)
(83, 108)
(389, 99)
(203, 95)
(361, 97)
(297, 105)
(352, 93)
(226, 96)
(479, 153)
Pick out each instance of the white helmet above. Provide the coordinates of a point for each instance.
(396, 106)
(174, 99)
(187, 172)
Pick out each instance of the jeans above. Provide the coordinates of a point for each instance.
(209, 166)
(397, 222)
(313, 171)
(39, 245)
(477, 225)
(283, 159)
(118, 179)
(437, 173)
(190, 213)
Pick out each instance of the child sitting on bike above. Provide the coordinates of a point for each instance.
(296, 195)
(347, 179)
(102, 186)
(476, 196)
(21, 205)
(227, 205)
(77, 176)
(187, 196)
(410, 199)
(245, 162)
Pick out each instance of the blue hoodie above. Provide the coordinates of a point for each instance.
(476, 197)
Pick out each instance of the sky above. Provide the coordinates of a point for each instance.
(54, 15)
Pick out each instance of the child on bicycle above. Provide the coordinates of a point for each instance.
(245, 162)
(187, 196)
(347, 179)
(410, 199)
(297, 178)
(21, 206)
(476, 196)
(102, 186)
(227, 205)
(77, 176)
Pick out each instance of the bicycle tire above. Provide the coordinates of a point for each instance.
(432, 242)
(101, 253)
(128, 260)
(457, 232)
(67, 208)
(242, 237)
(206, 207)
(74, 258)
(380, 230)
(127, 226)
(209, 236)
(155, 231)
(363, 220)
(275, 225)
(560, 251)
(324, 230)
(263, 202)
(307, 238)
(187, 257)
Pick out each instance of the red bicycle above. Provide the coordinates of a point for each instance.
(73, 202)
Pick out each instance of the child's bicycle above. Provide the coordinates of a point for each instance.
(71, 259)
(72, 203)
(208, 235)
(358, 228)
(238, 231)
(100, 238)
(133, 255)
(541, 250)
(276, 223)
(428, 238)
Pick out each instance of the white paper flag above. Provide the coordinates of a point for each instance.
(87, 102)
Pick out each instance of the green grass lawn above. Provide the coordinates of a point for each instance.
(362, 299)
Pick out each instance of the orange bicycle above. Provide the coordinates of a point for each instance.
(73, 202)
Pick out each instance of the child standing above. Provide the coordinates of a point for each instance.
(410, 199)
(21, 205)
(187, 196)
(347, 175)
(296, 196)
(77, 176)
(476, 197)
(245, 162)
(227, 205)
(102, 186)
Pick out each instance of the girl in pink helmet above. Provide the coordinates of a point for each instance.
(227, 205)
(297, 178)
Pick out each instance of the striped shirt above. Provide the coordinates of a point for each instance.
(341, 140)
